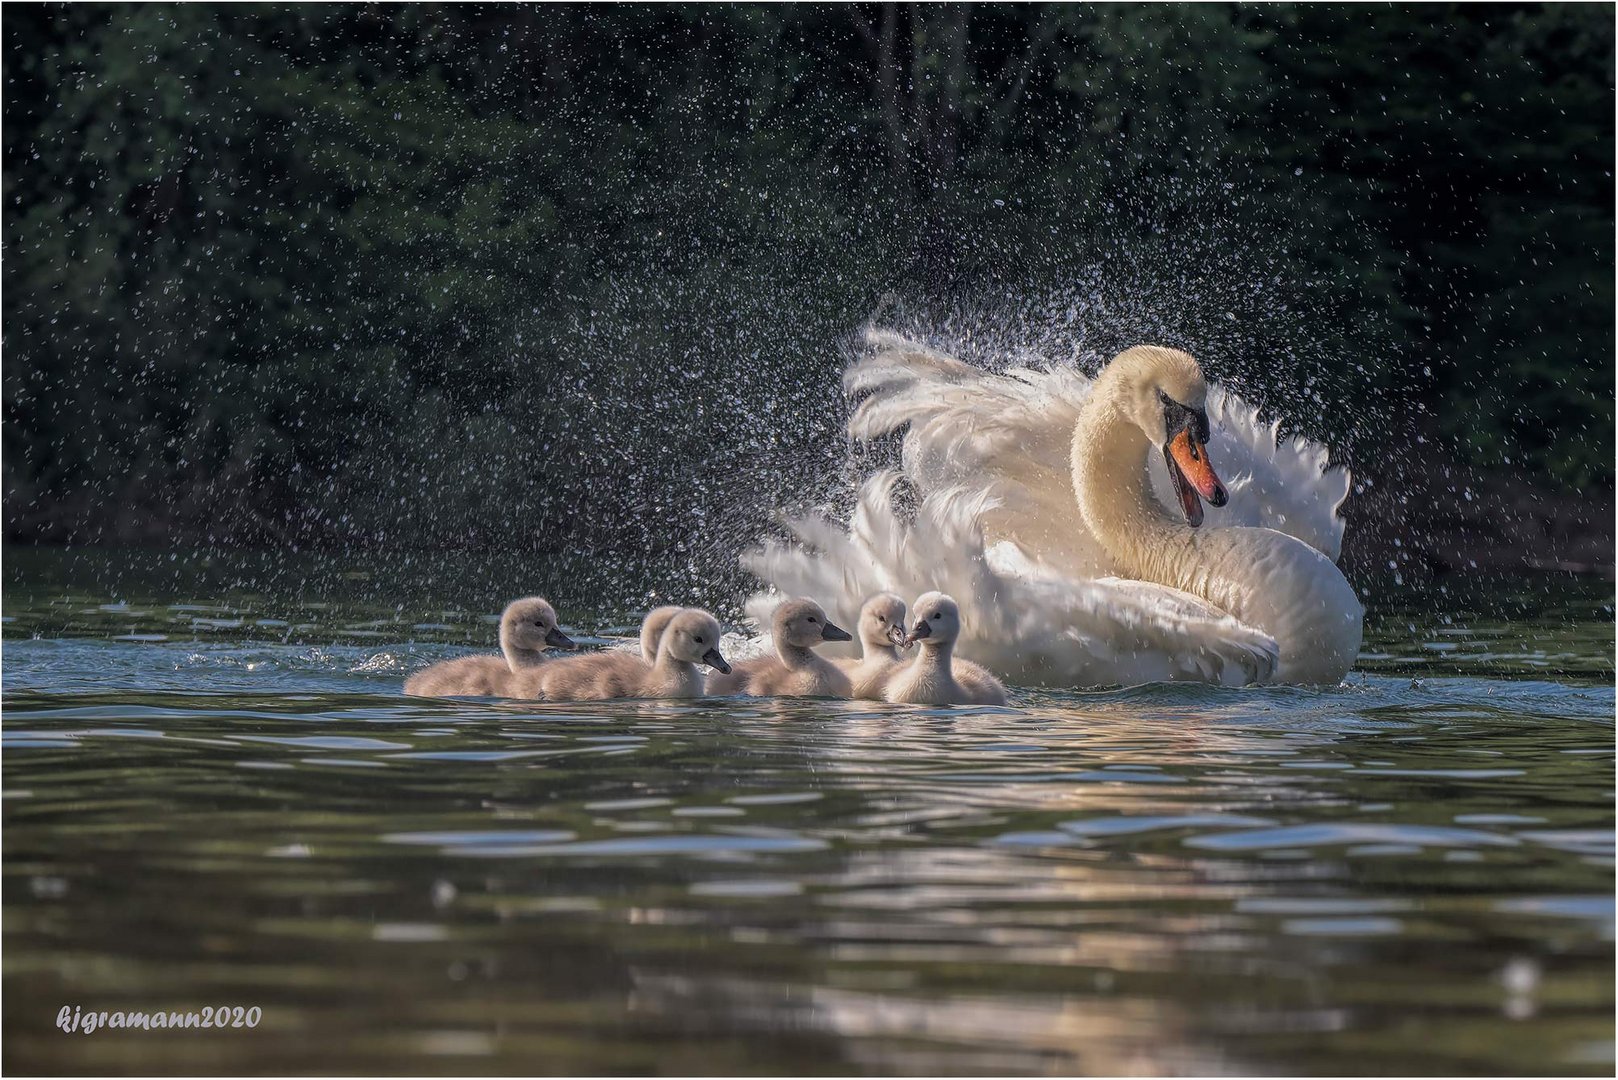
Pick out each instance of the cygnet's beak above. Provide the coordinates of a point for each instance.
(921, 631)
(714, 660)
(558, 640)
(896, 633)
(833, 632)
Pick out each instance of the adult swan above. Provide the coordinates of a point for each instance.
(1066, 516)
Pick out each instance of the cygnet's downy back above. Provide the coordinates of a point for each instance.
(527, 628)
(797, 626)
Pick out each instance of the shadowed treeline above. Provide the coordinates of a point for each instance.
(557, 278)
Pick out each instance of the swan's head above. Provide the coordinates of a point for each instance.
(1164, 393)
(803, 624)
(938, 620)
(882, 621)
(693, 636)
(530, 623)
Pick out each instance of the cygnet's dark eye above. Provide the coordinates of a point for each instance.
(882, 619)
(938, 614)
(699, 641)
(540, 623)
(813, 619)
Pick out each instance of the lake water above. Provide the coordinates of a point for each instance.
(216, 795)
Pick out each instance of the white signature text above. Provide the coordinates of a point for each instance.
(72, 1018)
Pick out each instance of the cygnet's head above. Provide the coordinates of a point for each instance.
(530, 623)
(1164, 393)
(882, 621)
(803, 624)
(938, 620)
(693, 636)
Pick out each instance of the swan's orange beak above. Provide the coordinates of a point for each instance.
(1193, 474)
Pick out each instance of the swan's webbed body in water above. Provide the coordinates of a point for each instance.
(1066, 514)
(527, 628)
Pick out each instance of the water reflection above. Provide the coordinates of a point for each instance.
(1402, 874)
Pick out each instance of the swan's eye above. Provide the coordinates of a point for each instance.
(938, 614)
(699, 641)
(813, 619)
(540, 623)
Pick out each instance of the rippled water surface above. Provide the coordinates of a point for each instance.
(220, 797)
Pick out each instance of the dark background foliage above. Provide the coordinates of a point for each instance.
(575, 278)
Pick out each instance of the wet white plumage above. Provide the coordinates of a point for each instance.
(1047, 600)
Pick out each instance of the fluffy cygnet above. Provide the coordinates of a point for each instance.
(794, 671)
(527, 628)
(651, 629)
(881, 630)
(690, 637)
(934, 677)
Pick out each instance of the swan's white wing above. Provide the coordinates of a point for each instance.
(1009, 436)
(1110, 631)
(1019, 620)
(1274, 483)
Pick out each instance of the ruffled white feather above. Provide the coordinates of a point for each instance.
(998, 526)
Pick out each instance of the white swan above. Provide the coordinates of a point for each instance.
(1046, 507)
(935, 677)
(527, 628)
(687, 638)
(881, 629)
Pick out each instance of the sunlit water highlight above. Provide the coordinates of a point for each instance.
(225, 799)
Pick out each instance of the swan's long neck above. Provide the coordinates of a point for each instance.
(1115, 498)
(517, 657)
(1268, 580)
